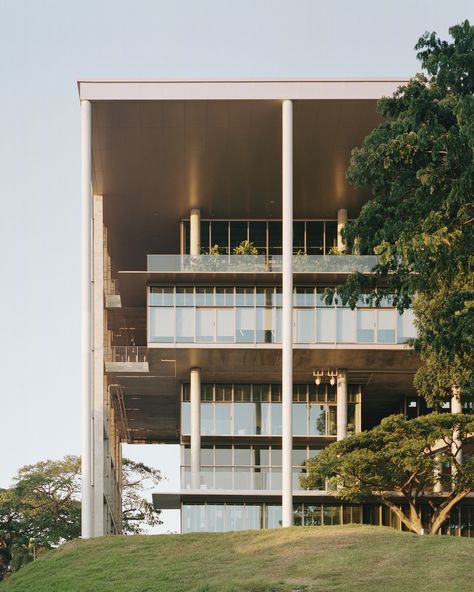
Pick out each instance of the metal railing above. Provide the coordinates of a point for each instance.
(128, 353)
(260, 263)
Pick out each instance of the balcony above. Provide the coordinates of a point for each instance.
(331, 264)
(127, 358)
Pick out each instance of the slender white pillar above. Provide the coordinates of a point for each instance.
(341, 222)
(456, 407)
(195, 427)
(287, 320)
(195, 232)
(341, 404)
(87, 508)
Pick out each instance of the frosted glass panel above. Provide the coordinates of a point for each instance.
(305, 326)
(365, 326)
(406, 327)
(225, 325)
(346, 325)
(162, 322)
(326, 325)
(184, 324)
(386, 320)
(245, 325)
(205, 324)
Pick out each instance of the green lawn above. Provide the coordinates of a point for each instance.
(346, 559)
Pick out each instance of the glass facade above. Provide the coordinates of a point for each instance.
(311, 237)
(253, 315)
(255, 409)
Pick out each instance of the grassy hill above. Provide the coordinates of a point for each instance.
(291, 560)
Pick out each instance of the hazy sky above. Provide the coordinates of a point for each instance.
(45, 47)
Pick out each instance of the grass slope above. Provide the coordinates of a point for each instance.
(291, 560)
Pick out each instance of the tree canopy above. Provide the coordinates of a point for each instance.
(419, 167)
(398, 463)
(43, 508)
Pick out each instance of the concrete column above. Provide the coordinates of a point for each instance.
(195, 427)
(341, 404)
(341, 222)
(437, 487)
(195, 232)
(287, 313)
(87, 508)
(456, 407)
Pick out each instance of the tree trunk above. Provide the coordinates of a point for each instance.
(413, 522)
(441, 513)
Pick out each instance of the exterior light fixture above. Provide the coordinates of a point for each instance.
(332, 381)
(318, 374)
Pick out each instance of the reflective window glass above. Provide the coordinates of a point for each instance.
(298, 456)
(276, 418)
(223, 455)
(273, 516)
(276, 456)
(244, 297)
(224, 296)
(244, 418)
(312, 515)
(185, 417)
(276, 478)
(245, 325)
(184, 296)
(242, 478)
(242, 455)
(204, 296)
(265, 333)
(207, 419)
(406, 326)
(346, 325)
(223, 418)
(299, 419)
(207, 455)
(161, 296)
(317, 420)
(252, 516)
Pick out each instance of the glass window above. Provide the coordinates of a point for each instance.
(276, 418)
(238, 233)
(224, 296)
(186, 237)
(276, 456)
(315, 238)
(205, 324)
(406, 327)
(332, 420)
(244, 297)
(317, 420)
(161, 296)
(386, 320)
(278, 317)
(245, 325)
(263, 419)
(184, 296)
(365, 326)
(277, 297)
(223, 478)
(265, 296)
(223, 418)
(223, 455)
(258, 236)
(305, 326)
(299, 419)
(242, 392)
(242, 478)
(207, 392)
(220, 235)
(312, 515)
(273, 518)
(346, 325)
(244, 418)
(185, 417)
(223, 392)
(204, 236)
(225, 324)
(242, 455)
(207, 455)
(262, 456)
(326, 325)
(303, 297)
(298, 237)
(331, 515)
(265, 331)
(184, 324)
(207, 419)
(186, 455)
(204, 296)
(331, 236)
(162, 324)
(252, 516)
(298, 456)
(275, 238)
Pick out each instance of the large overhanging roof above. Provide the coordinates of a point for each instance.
(161, 148)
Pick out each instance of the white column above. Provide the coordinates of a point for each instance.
(195, 232)
(86, 329)
(195, 389)
(341, 404)
(287, 321)
(341, 222)
(456, 407)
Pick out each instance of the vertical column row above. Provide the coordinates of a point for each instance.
(195, 396)
(287, 312)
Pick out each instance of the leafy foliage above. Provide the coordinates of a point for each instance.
(399, 461)
(42, 509)
(419, 166)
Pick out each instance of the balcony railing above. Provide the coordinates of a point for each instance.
(260, 263)
(127, 353)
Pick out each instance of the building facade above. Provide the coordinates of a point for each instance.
(212, 216)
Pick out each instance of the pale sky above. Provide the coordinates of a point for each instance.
(45, 47)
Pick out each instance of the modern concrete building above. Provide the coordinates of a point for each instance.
(210, 215)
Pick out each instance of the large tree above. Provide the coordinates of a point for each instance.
(43, 508)
(397, 463)
(419, 166)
